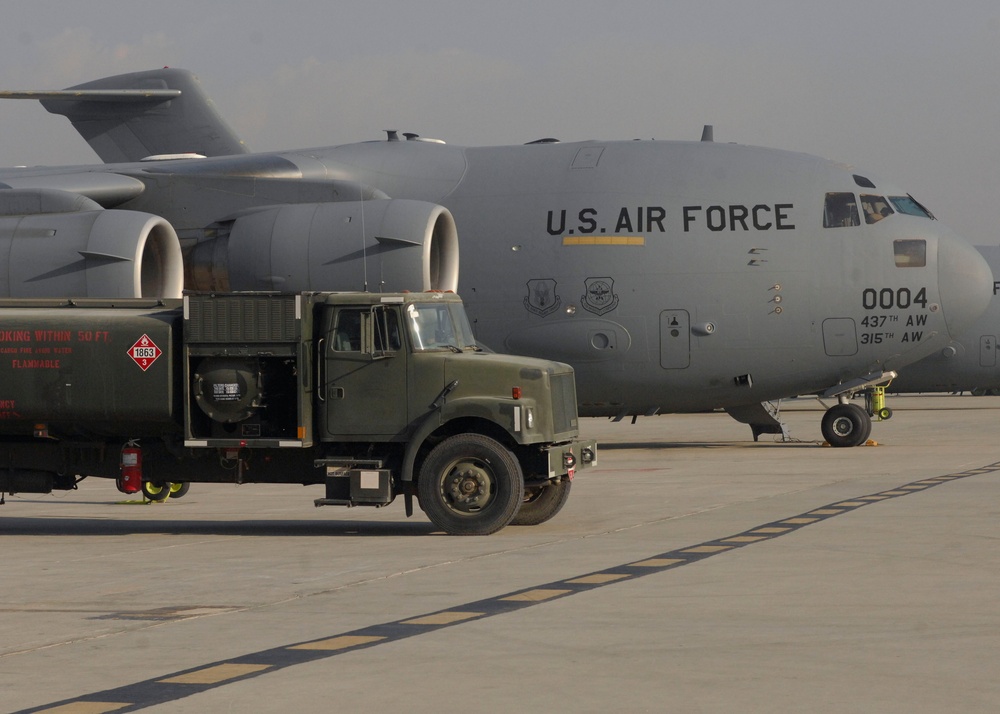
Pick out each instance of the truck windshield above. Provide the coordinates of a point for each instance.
(436, 326)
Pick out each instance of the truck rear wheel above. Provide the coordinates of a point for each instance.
(541, 503)
(470, 484)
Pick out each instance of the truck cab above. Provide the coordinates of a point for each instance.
(376, 383)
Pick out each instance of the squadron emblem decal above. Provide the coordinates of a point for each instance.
(600, 296)
(542, 299)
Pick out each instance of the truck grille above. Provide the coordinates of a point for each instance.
(563, 403)
(241, 318)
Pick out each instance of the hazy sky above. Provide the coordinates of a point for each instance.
(908, 91)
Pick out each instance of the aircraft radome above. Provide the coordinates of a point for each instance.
(674, 276)
(969, 362)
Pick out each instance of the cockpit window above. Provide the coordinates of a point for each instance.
(875, 207)
(910, 253)
(841, 209)
(911, 207)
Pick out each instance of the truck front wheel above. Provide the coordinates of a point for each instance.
(541, 503)
(470, 484)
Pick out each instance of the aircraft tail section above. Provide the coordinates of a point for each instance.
(133, 116)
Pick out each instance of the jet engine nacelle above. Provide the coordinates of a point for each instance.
(52, 249)
(383, 244)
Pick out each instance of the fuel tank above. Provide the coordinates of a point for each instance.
(73, 368)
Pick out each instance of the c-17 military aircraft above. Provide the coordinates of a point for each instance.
(674, 276)
(967, 363)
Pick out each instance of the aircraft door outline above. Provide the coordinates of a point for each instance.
(988, 351)
(840, 336)
(675, 339)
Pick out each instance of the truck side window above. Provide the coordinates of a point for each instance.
(386, 330)
(347, 333)
(841, 210)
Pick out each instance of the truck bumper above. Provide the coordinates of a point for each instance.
(572, 456)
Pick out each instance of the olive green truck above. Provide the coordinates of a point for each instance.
(369, 395)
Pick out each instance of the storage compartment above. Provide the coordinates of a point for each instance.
(248, 370)
(359, 486)
(244, 397)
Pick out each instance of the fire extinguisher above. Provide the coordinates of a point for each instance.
(130, 480)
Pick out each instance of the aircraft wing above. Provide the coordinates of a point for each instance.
(106, 189)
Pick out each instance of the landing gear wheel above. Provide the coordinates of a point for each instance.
(866, 421)
(541, 503)
(179, 490)
(885, 413)
(155, 490)
(470, 485)
(846, 425)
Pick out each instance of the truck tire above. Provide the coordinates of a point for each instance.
(541, 503)
(470, 484)
(155, 490)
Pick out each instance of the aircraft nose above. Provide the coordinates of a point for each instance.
(965, 281)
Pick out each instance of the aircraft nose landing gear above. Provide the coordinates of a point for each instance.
(846, 424)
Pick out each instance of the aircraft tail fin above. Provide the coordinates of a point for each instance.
(133, 116)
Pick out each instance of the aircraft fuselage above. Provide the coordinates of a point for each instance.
(673, 276)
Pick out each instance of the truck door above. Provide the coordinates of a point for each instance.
(364, 376)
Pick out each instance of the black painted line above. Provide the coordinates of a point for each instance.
(173, 686)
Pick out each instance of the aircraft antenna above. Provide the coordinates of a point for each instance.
(707, 133)
(364, 248)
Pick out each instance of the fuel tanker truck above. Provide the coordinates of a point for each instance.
(369, 395)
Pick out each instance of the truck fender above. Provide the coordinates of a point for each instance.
(426, 427)
(438, 417)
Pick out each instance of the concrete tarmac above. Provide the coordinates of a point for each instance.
(692, 571)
